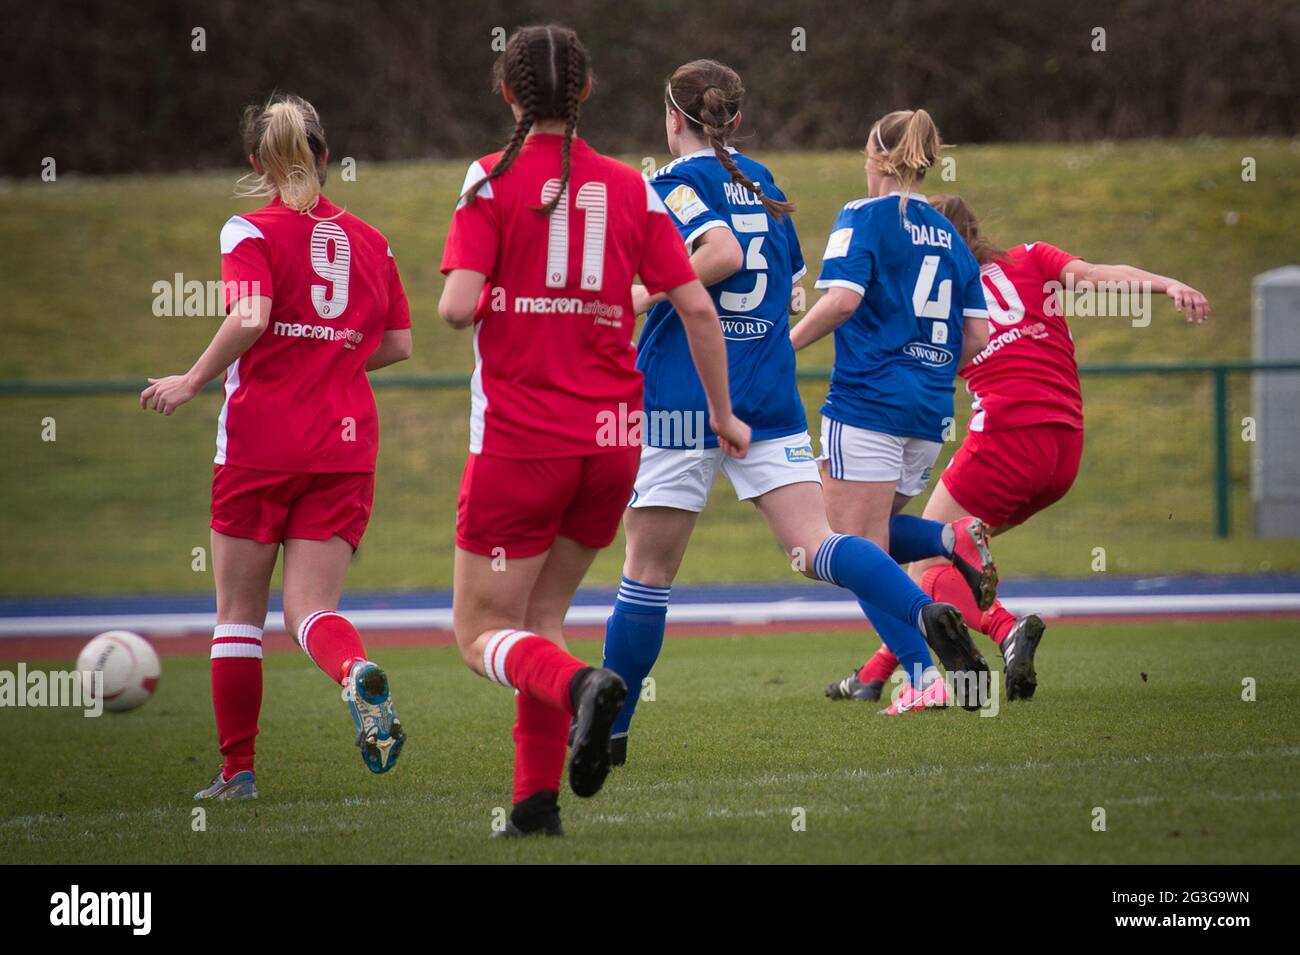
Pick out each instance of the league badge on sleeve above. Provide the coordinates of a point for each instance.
(838, 245)
(684, 203)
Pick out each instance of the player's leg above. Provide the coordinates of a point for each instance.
(541, 731)
(657, 538)
(248, 514)
(784, 484)
(865, 508)
(863, 472)
(1060, 450)
(966, 576)
(509, 515)
(489, 609)
(672, 488)
(942, 512)
(895, 605)
(242, 569)
(314, 574)
(325, 525)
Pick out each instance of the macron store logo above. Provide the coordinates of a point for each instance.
(103, 908)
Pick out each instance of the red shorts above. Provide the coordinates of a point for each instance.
(272, 506)
(1006, 477)
(521, 504)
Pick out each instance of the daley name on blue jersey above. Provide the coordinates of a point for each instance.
(753, 304)
(896, 355)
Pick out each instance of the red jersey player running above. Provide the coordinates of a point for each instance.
(542, 253)
(314, 302)
(1025, 438)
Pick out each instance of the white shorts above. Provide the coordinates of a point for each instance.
(671, 477)
(856, 454)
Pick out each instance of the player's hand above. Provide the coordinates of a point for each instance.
(640, 300)
(165, 395)
(733, 436)
(1189, 301)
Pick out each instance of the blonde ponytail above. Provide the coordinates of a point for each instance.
(288, 142)
(909, 143)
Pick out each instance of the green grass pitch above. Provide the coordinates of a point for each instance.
(1145, 721)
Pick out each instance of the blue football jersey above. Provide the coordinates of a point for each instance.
(753, 306)
(896, 356)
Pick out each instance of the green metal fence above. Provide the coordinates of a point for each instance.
(1219, 373)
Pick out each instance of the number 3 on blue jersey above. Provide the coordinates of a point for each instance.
(743, 224)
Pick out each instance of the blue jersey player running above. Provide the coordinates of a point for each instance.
(905, 302)
(743, 246)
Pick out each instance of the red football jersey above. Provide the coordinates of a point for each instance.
(299, 400)
(1027, 374)
(553, 332)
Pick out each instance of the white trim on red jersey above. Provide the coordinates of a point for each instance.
(477, 399)
(235, 231)
(232, 384)
(473, 175)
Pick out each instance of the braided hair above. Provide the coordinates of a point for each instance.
(546, 70)
(708, 95)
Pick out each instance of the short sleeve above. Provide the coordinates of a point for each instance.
(664, 264)
(1049, 258)
(245, 262)
(475, 238)
(797, 266)
(687, 209)
(850, 258)
(399, 309)
(973, 303)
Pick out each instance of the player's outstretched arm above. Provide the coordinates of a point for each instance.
(460, 295)
(829, 312)
(1185, 298)
(709, 352)
(242, 327)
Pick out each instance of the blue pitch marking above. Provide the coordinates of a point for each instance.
(1098, 586)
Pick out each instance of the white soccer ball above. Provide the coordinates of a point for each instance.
(129, 664)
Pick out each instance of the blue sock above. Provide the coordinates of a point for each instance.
(634, 635)
(915, 538)
(897, 634)
(856, 564)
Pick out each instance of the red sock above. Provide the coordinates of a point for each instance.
(541, 738)
(997, 622)
(945, 583)
(236, 692)
(331, 642)
(879, 667)
(533, 665)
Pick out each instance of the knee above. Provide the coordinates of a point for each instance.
(648, 568)
(472, 653)
(295, 614)
(804, 553)
(546, 620)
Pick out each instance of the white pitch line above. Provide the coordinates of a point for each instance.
(738, 613)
